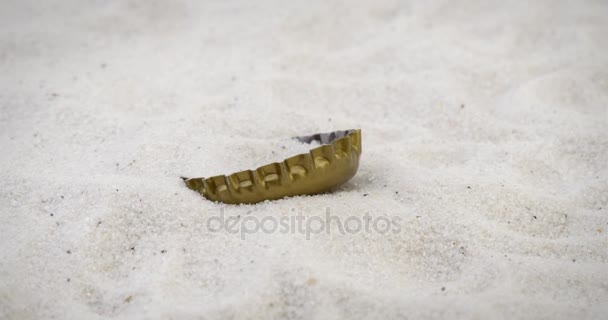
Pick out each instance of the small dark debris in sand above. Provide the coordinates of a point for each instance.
(442, 288)
(132, 248)
(61, 197)
(573, 260)
(116, 190)
(365, 194)
(69, 252)
(163, 251)
(68, 280)
(462, 106)
(534, 217)
(396, 192)
(52, 214)
(468, 187)
(98, 223)
(128, 299)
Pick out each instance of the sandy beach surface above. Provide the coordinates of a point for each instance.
(484, 131)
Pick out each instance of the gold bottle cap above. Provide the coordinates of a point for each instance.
(333, 163)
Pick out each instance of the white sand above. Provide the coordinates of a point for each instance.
(105, 105)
